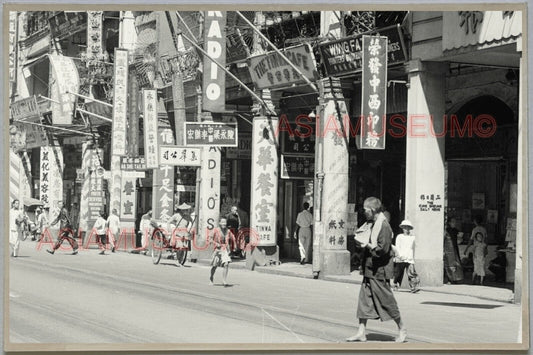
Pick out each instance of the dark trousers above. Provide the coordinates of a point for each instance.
(66, 235)
(101, 239)
(412, 276)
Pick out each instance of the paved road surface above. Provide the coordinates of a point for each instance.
(124, 298)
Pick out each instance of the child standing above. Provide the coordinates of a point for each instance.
(405, 258)
(480, 252)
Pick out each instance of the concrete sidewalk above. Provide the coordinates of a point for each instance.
(295, 269)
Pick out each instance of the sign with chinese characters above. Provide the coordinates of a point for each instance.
(132, 163)
(179, 156)
(24, 109)
(430, 202)
(264, 184)
(214, 78)
(163, 182)
(297, 167)
(345, 56)
(271, 70)
(94, 36)
(128, 193)
(65, 84)
(51, 180)
(120, 106)
(150, 128)
(335, 163)
(374, 92)
(299, 140)
(96, 182)
(211, 134)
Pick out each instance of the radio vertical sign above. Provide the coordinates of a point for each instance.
(120, 102)
(150, 128)
(374, 92)
(214, 78)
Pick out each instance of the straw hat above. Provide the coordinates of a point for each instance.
(184, 206)
(406, 224)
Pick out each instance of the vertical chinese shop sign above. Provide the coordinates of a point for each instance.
(374, 92)
(150, 128)
(214, 78)
(120, 102)
(66, 82)
(264, 182)
(128, 195)
(51, 188)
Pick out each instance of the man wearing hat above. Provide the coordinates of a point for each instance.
(405, 257)
(180, 223)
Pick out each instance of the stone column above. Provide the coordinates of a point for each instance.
(334, 256)
(424, 190)
(522, 187)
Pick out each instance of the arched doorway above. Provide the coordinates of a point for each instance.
(481, 155)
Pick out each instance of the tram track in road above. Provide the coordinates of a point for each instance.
(293, 321)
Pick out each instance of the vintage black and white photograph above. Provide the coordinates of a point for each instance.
(220, 177)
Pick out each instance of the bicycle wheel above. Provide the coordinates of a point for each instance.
(181, 256)
(158, 240)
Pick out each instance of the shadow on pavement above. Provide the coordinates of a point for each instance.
(465, 305)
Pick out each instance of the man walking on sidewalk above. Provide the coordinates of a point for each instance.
(304, 221)
(65, 233)
(376, 300)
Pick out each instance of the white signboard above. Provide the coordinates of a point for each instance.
(179, 156)
(150, 128)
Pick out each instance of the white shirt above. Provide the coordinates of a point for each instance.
(99, 225)
(304, 219)
(13, 215)
(405, 247)
(113, 223)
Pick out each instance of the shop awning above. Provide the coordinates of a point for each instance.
(481, 29)
(32, 61)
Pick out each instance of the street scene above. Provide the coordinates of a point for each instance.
(350, 178)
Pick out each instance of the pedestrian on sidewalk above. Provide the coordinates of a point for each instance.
(234, 222)
(480, 252)
(453, 270)
(113, 225)
(405, 257)
(42, 223)
(16, 222)
(65, 232)
(304, 221)
(100, 227)
(222, 238)
(376, 300)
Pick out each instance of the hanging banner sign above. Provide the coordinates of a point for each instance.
(214, 78)
(244, 150)
(344, 56)
(51, 180)
(96, 181)
(210, 134)
(66, 83)
(264, 182)
(271, 70)
(12, 52)
(120, 107)
(24, 109)
(150, 128)
(163, 185)
(94, 36)
(179, 156)
(297, 167)
(374, 92)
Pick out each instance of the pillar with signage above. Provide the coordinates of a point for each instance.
(424, 190)
(334, 256)
(213, 100)
(120, 109)
(264, 186)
